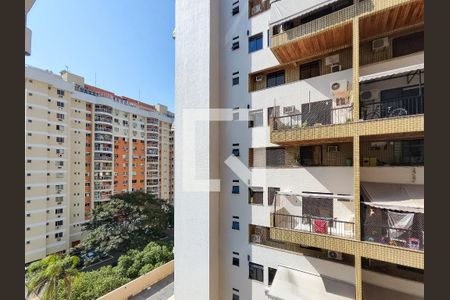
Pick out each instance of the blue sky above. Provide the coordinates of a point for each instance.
(127, 43)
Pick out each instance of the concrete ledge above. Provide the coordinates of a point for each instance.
(139, 284)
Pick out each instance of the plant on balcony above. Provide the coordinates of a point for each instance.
(46, 276)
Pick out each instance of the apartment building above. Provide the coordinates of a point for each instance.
(84, 144)
(333, 94)
(28, 5)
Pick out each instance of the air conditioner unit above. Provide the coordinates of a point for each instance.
(289, 109)
(339, 86)
(336, 68)
(259, 78)
(380, 44)
(335, 255)
(331, 60)
(369, 95)
(255, 238)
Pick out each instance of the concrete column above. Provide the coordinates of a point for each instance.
(355, 84)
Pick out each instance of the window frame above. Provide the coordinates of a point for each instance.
(255, 42)
(278, 76)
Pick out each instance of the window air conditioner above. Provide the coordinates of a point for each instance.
(336, 68)
(255, 238)
(259, 78)
(335, 255)
(380, 44)
(331, 60)
(289, 109)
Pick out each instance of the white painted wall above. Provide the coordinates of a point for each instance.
(401, 175)
(196, 214)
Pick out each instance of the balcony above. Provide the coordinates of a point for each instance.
(330, 28)
(103, 110)
(255, 7)
(393, 214)
(103, 119)
(103, 157)
(327, 226)
(103, 137)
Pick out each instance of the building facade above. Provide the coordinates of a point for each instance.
(84, 144)
(333, 94)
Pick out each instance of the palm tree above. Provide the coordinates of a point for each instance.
(44, 276)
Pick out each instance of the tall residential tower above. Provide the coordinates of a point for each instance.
(332, 94)
(84, 144)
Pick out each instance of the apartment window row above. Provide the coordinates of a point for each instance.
(235, 8)
(256, 272)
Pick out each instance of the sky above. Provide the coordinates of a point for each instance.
(124, 46)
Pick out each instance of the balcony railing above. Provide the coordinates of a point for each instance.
(404, 106)
(103, 119)
(103, 110)
(104, 158)
(327, 226)
(317, 117)
(399, 237)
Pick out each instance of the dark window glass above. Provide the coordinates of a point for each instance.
(235, 45)
(255, 197)
(272, 191)
(236, 261)
(275, 78)
(235, 189)
(255, 43)
(309, 70)
(235, 225)
(272, 273)
(236, 152)
(268, 38)
(256, 272)
(235, 297)
(235, 80)
(408, 44)
(235, 10)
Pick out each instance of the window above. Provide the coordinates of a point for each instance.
(271, 193)
(58, 235)
(60, 104)
(255, 118)
(235, 45)
(309, 70)
(59, 223)
(255, 43)
(275, 78)
(60, 139)
(408, 44)
(236, 261)
(255, 272)
(60, 92)
(255, 195)
(235, 189)
(59, 211)
(60, 116)
(268, 38)
(235, 297)
(235, 152)
(272, 273)
(236, 80)
(235, 10)
(235, 225)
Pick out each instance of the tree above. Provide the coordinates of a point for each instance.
(51, 273)
(94, 284)
(136, 263)
(128, 221)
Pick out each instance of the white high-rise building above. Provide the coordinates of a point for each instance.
(333, 94)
